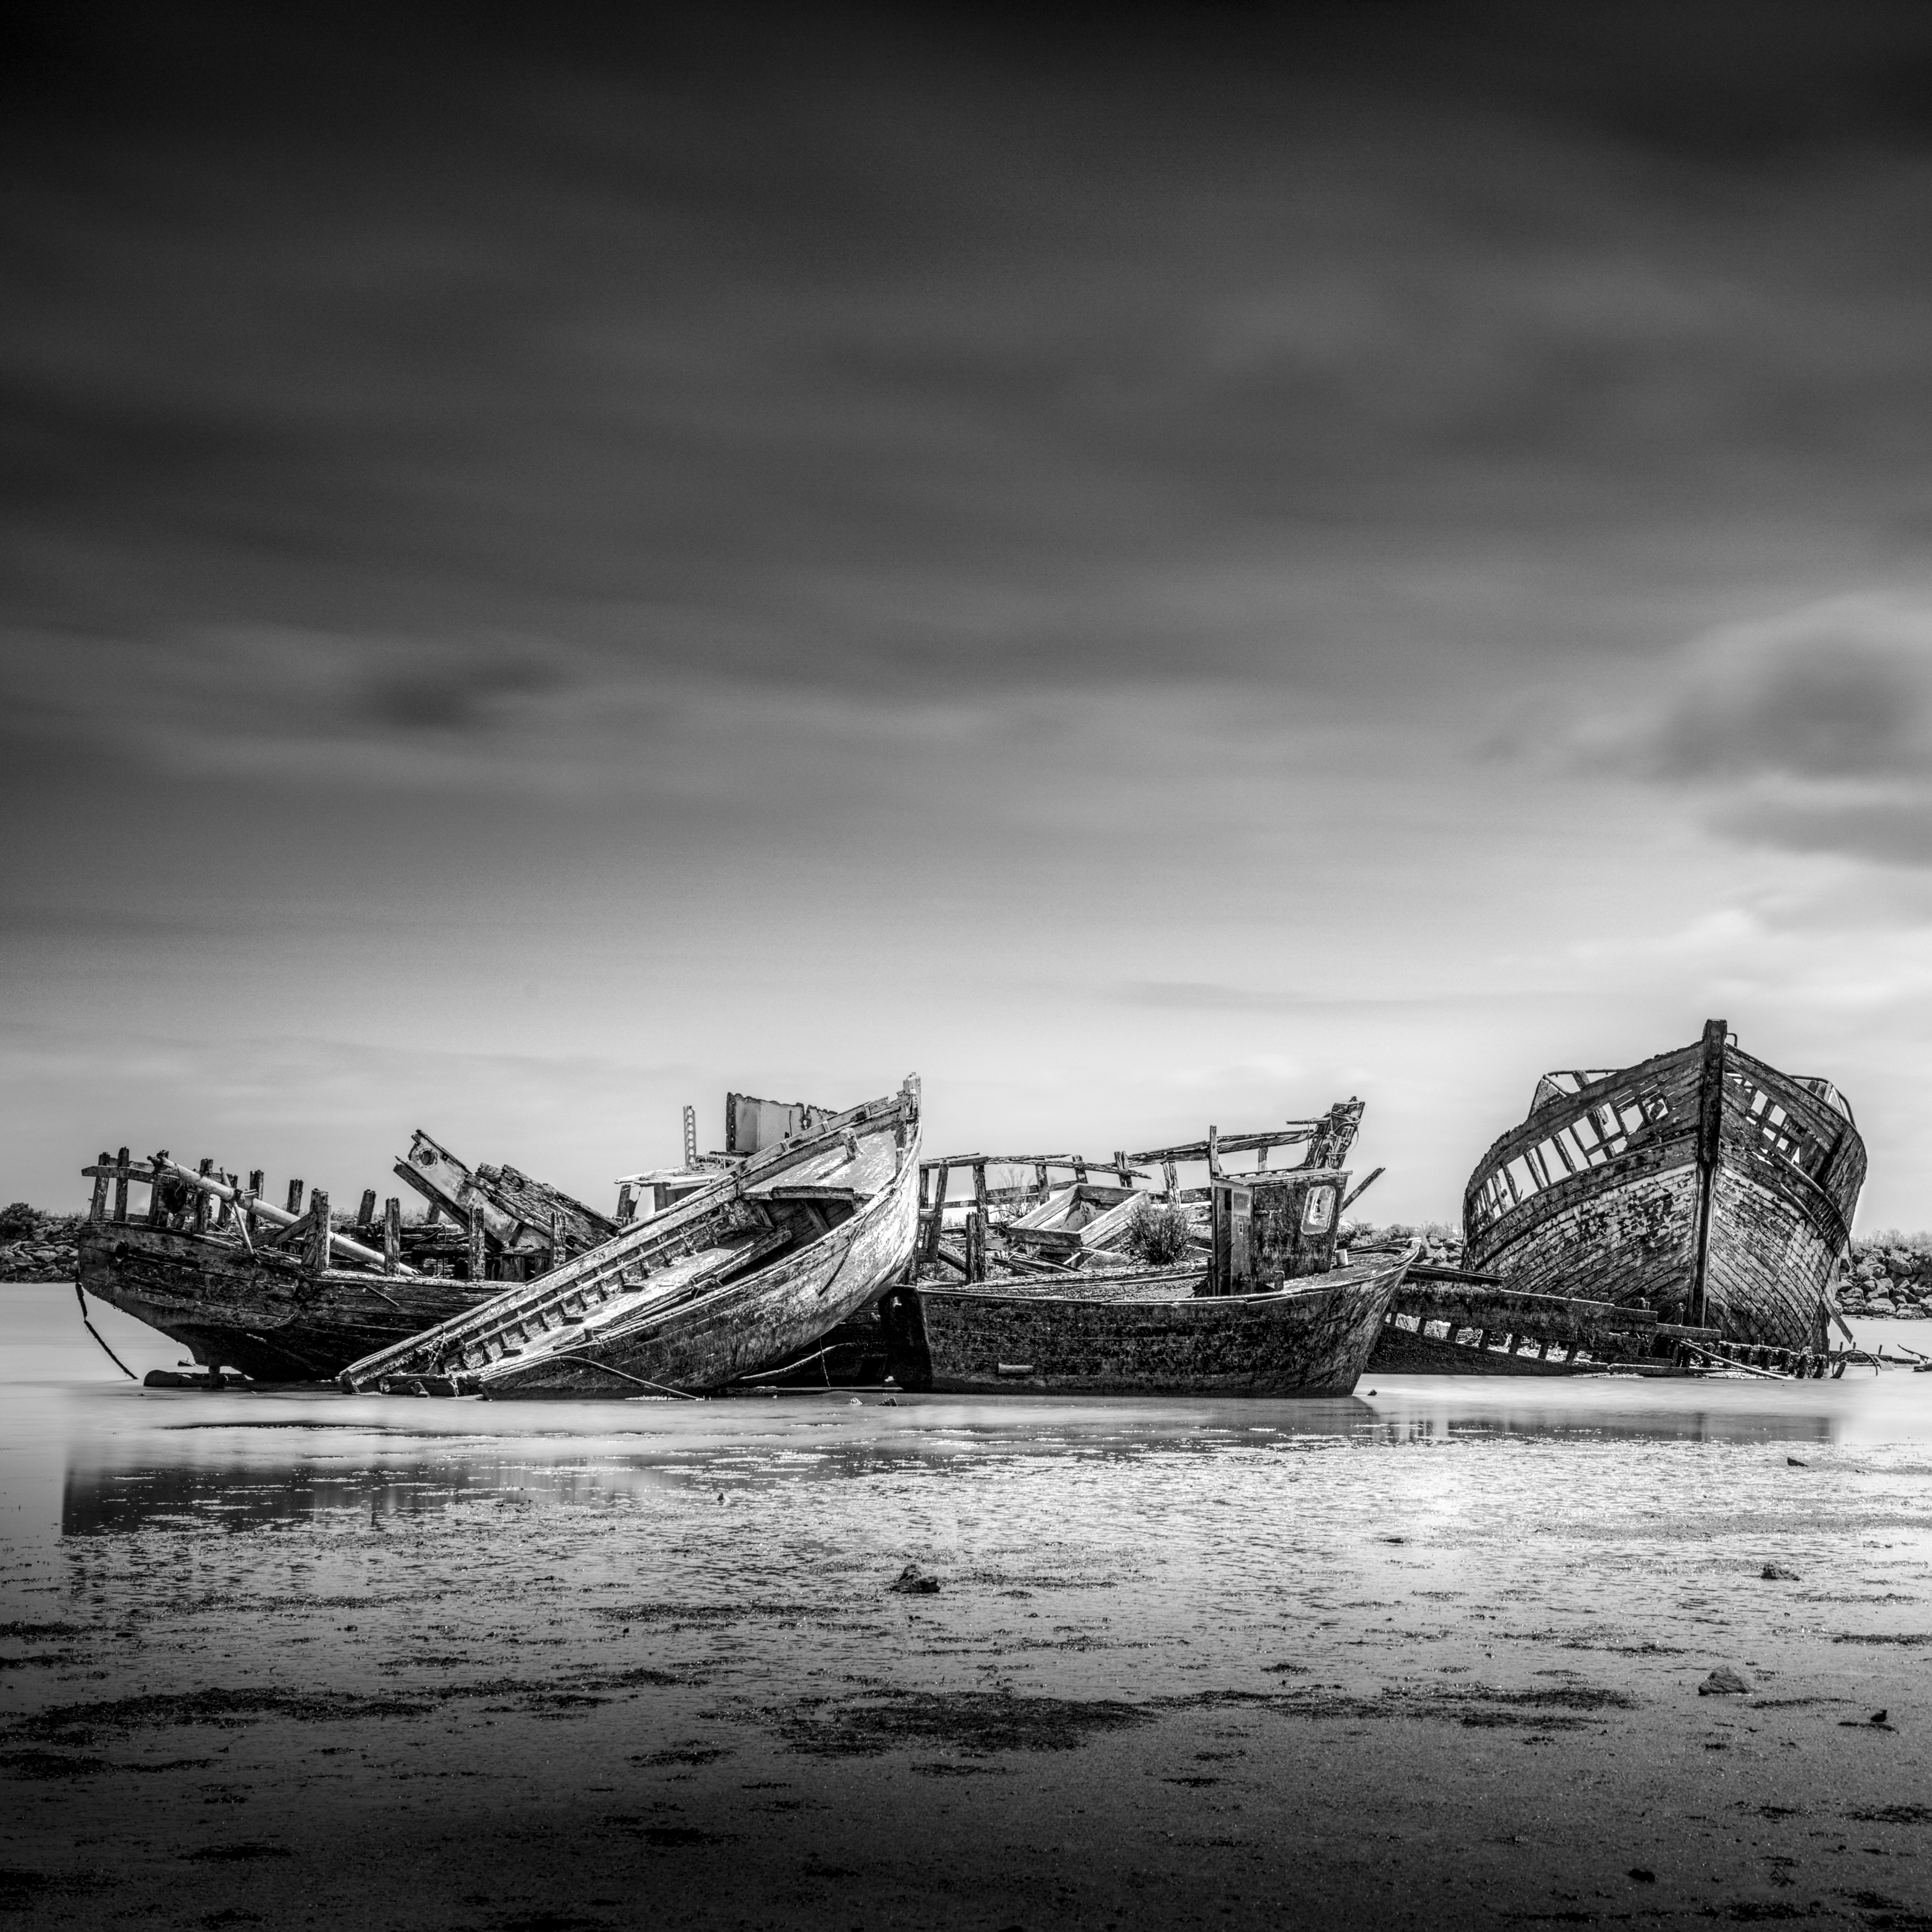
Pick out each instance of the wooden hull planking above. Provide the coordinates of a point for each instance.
(275, 1322)
(1312, 1338)
(680, 1303)
(1443, 1321)
(1703, 1182)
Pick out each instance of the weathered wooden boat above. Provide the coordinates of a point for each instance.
(285, 1294)
(1264, 1311)
(1151, 1334)
(746, 1276)
(1702, 1185)
(1455, 1322)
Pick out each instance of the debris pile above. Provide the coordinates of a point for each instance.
(1891, 1277)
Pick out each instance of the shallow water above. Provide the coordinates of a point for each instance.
(696, 1592)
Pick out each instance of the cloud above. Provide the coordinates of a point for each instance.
(1810, 731)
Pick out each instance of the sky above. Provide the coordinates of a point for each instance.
(1156, 566)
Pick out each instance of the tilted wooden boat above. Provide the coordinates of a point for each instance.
(1702, 1184)
(283, 1295)
(747, 1275)
(1151, 1334)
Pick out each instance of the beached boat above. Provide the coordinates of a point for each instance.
(746, 1275)
(1454, 1321)
(285, 1294)
(1702, 1185)
(1156, 1334)
(1260, 1307)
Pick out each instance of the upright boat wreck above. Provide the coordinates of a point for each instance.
(1702, 1185)
(1264, 1305)
(287, 1294)
(745, 1273)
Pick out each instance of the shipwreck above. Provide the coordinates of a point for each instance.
(1701, 1189)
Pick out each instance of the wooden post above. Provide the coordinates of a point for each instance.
(121, 1185)
(1040, 1176)
(1121, 1168)
(1079, 1171)
(976, 1245)
(97, 1208)
(558, 1252)
(224, 1209)
(1171, 1174)
(365, 1214)
(295, 1197)
(1710, 1153)
(156, 1218)
(477, 1259)
(979, 1185)
(256, 1180)
(201, 1199)
(690, 1137)
(392, 1233)
(627, 1206)
(939, 1179)
(318, 1234)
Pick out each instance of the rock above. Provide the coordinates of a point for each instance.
(1791, 1462)
(1643, 1874)
(1880, 1304)
(1723, 1682)
(1776, 1573)
(914, 1581)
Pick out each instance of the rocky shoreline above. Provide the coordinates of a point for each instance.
(38, 1246)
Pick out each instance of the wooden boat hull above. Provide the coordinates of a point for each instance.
(1702, 1183)
(1312, 1337)
(1447, 1322)
(765, 1317)
(273, 1320)
(678, 1304)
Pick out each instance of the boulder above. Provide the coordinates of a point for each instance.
(1723, 1682)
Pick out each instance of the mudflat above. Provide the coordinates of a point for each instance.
(1441, 1655)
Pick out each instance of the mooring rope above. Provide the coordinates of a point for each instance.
(96, 1333)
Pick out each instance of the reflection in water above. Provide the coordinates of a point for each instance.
(123, 1459)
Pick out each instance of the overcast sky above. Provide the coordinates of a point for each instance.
(1170, 569)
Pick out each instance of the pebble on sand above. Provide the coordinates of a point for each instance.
(914, 1581)
(1722, 1682)
(1776, 1573)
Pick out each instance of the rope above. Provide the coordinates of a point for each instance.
(591, 1362)
(95, 1333)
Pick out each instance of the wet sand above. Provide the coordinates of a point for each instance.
(1427, 1656)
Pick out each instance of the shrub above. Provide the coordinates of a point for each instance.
(17, 1221)
(1157, 1231)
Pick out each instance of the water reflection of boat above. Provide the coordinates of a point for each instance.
(746, 1275)
(1702, 1184)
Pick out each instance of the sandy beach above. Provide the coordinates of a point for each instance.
(1429, 1656)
